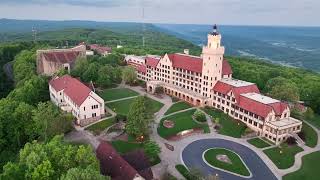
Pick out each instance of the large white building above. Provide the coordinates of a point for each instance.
(73, 96)
(207, 81)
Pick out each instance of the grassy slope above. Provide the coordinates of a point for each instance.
(123, 107)
(119, 93)
(309, 169)
(97, 128)
(259, 143)
(311, 137)
(183, 121)
(178, 107)
(283, 157)
(229, 126)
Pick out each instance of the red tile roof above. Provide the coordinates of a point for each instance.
(226, 68)
(261, 109)
(253, 106)
(224, 88)
(142, 68)
(187, 62)
(112, 164)
(153, 62)
(100, 49)
(62, 57)
(279, 107)
(77, 91)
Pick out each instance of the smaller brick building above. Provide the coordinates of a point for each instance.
(52, 60)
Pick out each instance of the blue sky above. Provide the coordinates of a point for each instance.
(235, 12)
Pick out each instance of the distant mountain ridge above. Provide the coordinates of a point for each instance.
(290, 46)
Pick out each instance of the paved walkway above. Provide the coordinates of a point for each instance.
(116, 100)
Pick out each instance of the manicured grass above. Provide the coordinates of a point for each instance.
(315, 121)
(184, 172)
(153, 105)
(237, 165)
(309, 169)
(97, 128)
(177, 107)
(118, 93)
(123, 147)
(229, 126)
(122, 107)
(183, 121)
(259, 143)
(311, 137)
(283, 157)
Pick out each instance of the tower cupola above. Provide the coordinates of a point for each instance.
(215, 30)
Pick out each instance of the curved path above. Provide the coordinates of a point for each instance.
(192, 158)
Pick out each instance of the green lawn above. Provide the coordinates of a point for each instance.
(237, 165)
(183, 121)
(97, 128)
(311, 137)
(123, 147)
(315, 121)
(259, 143)
(309, 169)
(122, 107)
(184, 172)
(178, 107)
(229, 126)
(283, 157)
(119, 93)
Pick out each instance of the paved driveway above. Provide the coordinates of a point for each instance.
(192, 157)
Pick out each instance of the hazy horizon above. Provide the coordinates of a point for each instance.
(224, 12)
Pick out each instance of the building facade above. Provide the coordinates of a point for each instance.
(52, 60)
(73, 96)
(207, 81)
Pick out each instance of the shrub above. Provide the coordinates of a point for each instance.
(159, 90)
(291, 141)
(199, 116)
(302, 135)
(174, 99)
(120, 117)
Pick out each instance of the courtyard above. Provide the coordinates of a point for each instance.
(200, 150)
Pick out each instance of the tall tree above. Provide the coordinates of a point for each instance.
(138, 118)
(53, 160)
(48, 121)
(129, 75)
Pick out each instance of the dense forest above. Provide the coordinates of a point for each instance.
(26, 114)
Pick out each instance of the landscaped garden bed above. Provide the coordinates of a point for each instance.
(226, 160)
(117, 93)
(178, 107)
(183, 121)
(283, 157)
(259, 143)
(227, 125)
(309, 169)
(97, 128)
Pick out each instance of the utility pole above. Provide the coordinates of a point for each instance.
(143, 25)
(34, 34)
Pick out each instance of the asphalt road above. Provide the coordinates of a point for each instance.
(8, 69)
(192, 157)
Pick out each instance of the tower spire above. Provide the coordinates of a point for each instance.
(215, 30)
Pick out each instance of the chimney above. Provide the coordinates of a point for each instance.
(186, 51)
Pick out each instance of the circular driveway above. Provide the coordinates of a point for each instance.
(192, 158)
